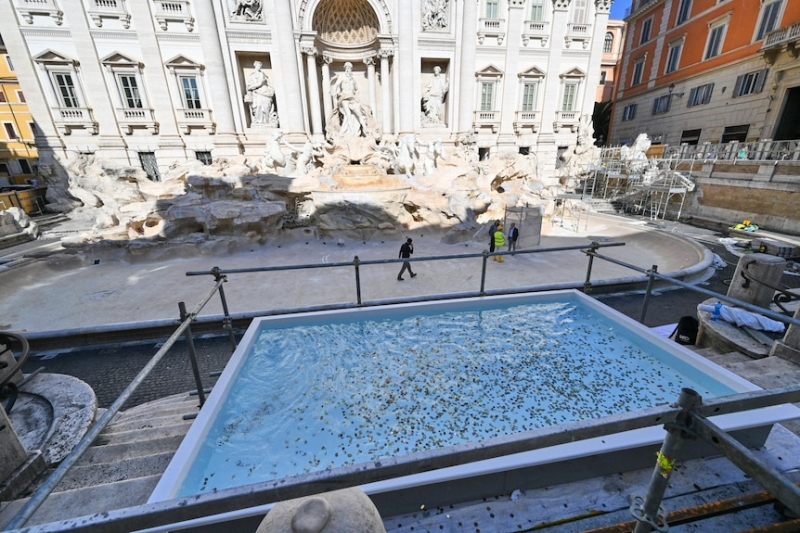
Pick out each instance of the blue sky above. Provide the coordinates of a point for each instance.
(618, 8)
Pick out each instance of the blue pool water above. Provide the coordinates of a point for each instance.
(343, 391)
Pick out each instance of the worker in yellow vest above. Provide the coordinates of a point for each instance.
(499, 242)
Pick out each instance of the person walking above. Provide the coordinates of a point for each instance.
(499, 241)
(405, 252)
(513, 235)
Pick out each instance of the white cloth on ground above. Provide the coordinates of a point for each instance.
(741, 317)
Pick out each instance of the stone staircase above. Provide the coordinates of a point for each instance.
(123, 465)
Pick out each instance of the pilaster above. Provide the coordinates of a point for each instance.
(466, 79)
(405, 60)
(290, 98)
(510, 99)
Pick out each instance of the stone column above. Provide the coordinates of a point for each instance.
(789, 347)
(313, 89)
(405, 61)
(552, 86)
(516, 19)
(291, 98)
(370, 62)
(220, 99)
(602, 7)
(386, 91)
(466, 80)
(327, 105)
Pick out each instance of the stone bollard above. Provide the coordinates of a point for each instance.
(340, 511)
(789, 347)
(767, 268)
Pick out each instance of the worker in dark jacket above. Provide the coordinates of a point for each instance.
(405, 252)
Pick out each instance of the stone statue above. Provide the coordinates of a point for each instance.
(434, 152)
(579, 158)
(407, 161)
(433, 98)
(273, 160)
(306, 157)
(352, 114)
(261, 97)
(434, 15)
(247, 10)
(635, 157)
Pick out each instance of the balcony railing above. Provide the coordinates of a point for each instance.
(578, 32)
(526, 119)
(487, 118)
(173, 11)
(195, 118)
(535, 30)
(68, 118)
(112, 9)
(782, 36)
(491, 28)
(566, 119)
(28, 8)
(130, 118)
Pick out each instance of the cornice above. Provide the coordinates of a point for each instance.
(248, 36)
(59, 33)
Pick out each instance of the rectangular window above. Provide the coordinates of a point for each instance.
(700, 95)
(2, 96)
(646, 26)
(11, 132)
(23, 164)
(673, 57)
(65, 89)
(537, 10)
(191, 95)
(638, 69)
(34, 129)
(603, 75)
(529, 97)
(4, 169)
(150, 165)
(492, 8)
(203, 157)
(714, 45)
(684, 10)
(21, 96)
(10, 64)
(568, 103)
(487, 96)
(629, 113)
(130, 91)
(735, 133)
(661, 104)
(750, 83)
(769, 18)
(608, 43)
(690, 137)
(578, 11)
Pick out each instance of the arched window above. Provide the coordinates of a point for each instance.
(608, 43)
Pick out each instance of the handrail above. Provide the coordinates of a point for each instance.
(225, 500)
(22, 358)
(58, 474)
(781, 295)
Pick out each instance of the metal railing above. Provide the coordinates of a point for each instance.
(674, 417)
(772, 151)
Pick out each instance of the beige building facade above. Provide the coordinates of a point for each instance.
(151, 82)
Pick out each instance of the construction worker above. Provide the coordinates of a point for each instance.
(499, 242)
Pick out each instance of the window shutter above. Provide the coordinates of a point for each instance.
(761, 78)
(707, 96)
(692, 95)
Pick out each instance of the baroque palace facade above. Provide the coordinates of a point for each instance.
(151, 82)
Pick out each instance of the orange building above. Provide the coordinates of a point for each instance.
(697, 71)
(18, 157)
(609, 66)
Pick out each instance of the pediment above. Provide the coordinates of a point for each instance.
(116, 59)
(533, 72)
(181, 61)
(490, 71)
(573, 73)
(52, 57)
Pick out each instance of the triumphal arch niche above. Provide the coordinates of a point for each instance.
(344, 45)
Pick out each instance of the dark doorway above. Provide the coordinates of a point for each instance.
(483, 154)
(690, 137)
(735, 133)
(789, 124)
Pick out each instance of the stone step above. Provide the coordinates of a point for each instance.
(155, 404)
(90, 475)
(156, 419)
(135, 435)
(725, 360)
(115, 452)
(770, 372)
(708, 353)
(190, 406)
(90, 500)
